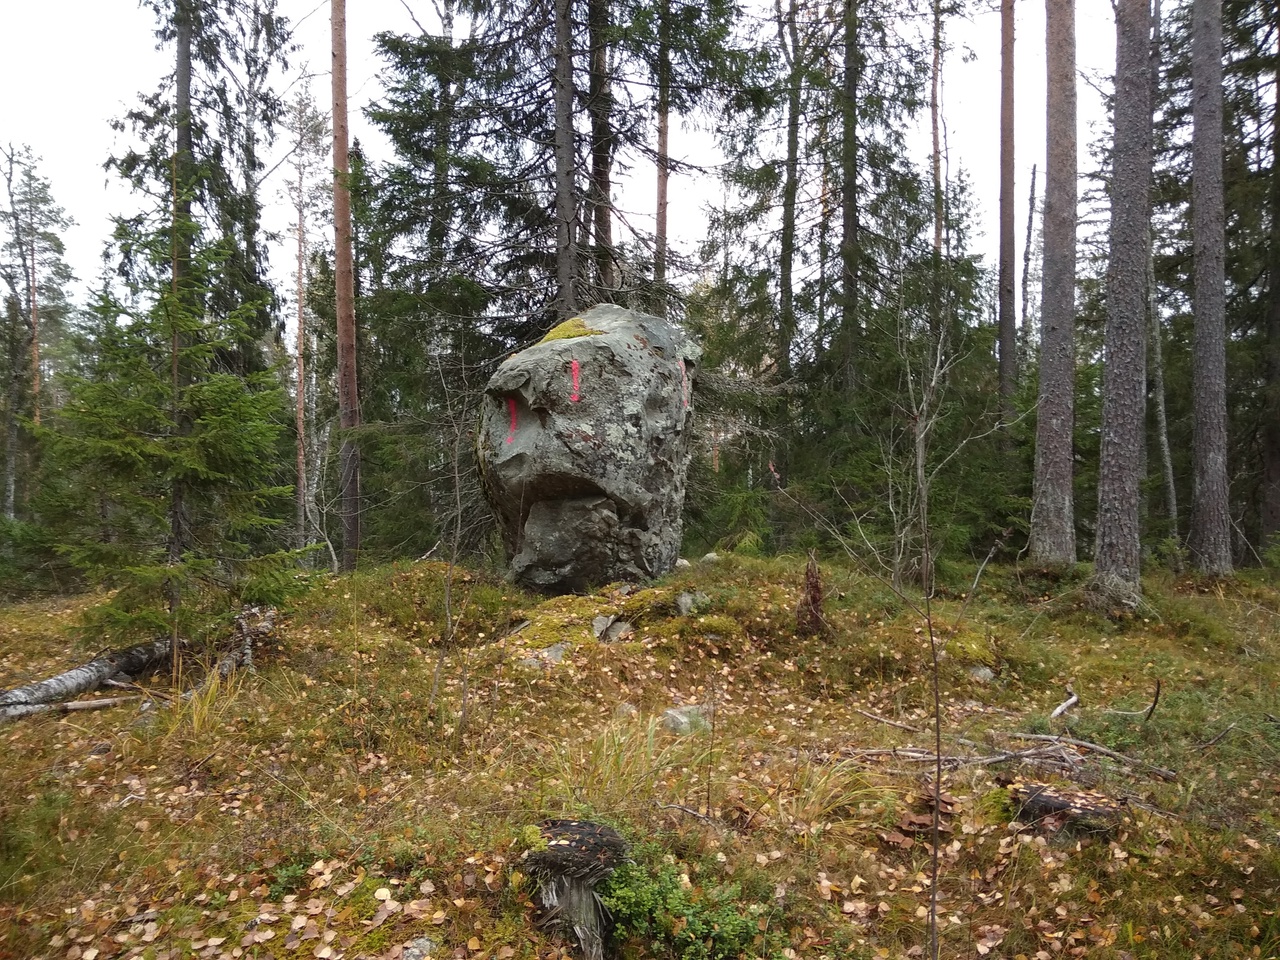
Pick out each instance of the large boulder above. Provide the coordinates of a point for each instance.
(584, 446)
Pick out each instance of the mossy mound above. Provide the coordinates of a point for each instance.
(571, 328)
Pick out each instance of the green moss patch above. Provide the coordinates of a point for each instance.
(571, 328)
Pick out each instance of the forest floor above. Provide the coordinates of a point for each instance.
(366, 792)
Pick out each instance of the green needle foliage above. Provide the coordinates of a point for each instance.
(158, 440)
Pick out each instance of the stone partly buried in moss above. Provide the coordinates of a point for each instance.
(584, 446)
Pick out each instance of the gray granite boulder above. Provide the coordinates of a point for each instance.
(584, 446)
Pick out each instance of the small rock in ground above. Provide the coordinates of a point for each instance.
(682, 563)
(685, 720)
(419, 949)
(982, 673)
(618, 630)
(544, 658)
(690, 603)
(625, 711)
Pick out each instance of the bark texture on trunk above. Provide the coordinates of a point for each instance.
(1118, 549)
(1270, 505)
(1008, 319)
(1210, 540)
(849, 239)
(1053, 537)
(300, 400)
(344, 282)
(132, 661)
(663, 158)
(1156, 330)
(1158, 390)
(789, 35)
(566, 254)
(1026, 257)
(600, 107)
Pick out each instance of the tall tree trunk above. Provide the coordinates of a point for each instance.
(600, 107)
(1158, 390)
(19, 317)
(35, 315)
(850, 240)
(1210, 539)
(789, 35)
(1053, 537)
(183, 306)
(1156, 327)
(1008, 319)
(1270, 505)
(344, 281)
(935, 118)
(442, 149)
(300, 401)
(664, 157)
(1118, 547)
(566, 253)
(1026, 258)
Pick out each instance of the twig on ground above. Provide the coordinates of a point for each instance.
(1161, 772)
(689, 810)
(1144, 714)
(1066, 705)
(1210, 743)
(1154, 700)
(885, 720)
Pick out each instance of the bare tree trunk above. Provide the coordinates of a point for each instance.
(1270, 505)
(344, 281)
(1157, 388)
(1053, 537)
(1156, 327)
(18, 350)
(789, 37)
(600, 107)
(1008, 319)
(935, 117)
(850, 239)
(35, 316)
(664, 157)
(1210, 539)
(566, 254)
(1026, 257)
(1118, 548)
(182, 306)
(300, 401)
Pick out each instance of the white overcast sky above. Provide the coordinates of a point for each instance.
(67, 67)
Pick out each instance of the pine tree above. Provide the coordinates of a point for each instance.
(1118, 549)
(1210, 540)
(35, 275)
(1053, 539)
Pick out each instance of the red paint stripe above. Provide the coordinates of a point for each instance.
(511, 409)
(573, 367)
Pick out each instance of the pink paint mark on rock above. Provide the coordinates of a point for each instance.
(684, 384)
(511, 409)
(574, 370)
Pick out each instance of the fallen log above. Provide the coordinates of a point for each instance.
(19, 710)
(134, 661)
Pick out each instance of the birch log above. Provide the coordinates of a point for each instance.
(132, 661)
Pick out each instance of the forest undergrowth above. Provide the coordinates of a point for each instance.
(366, 790)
